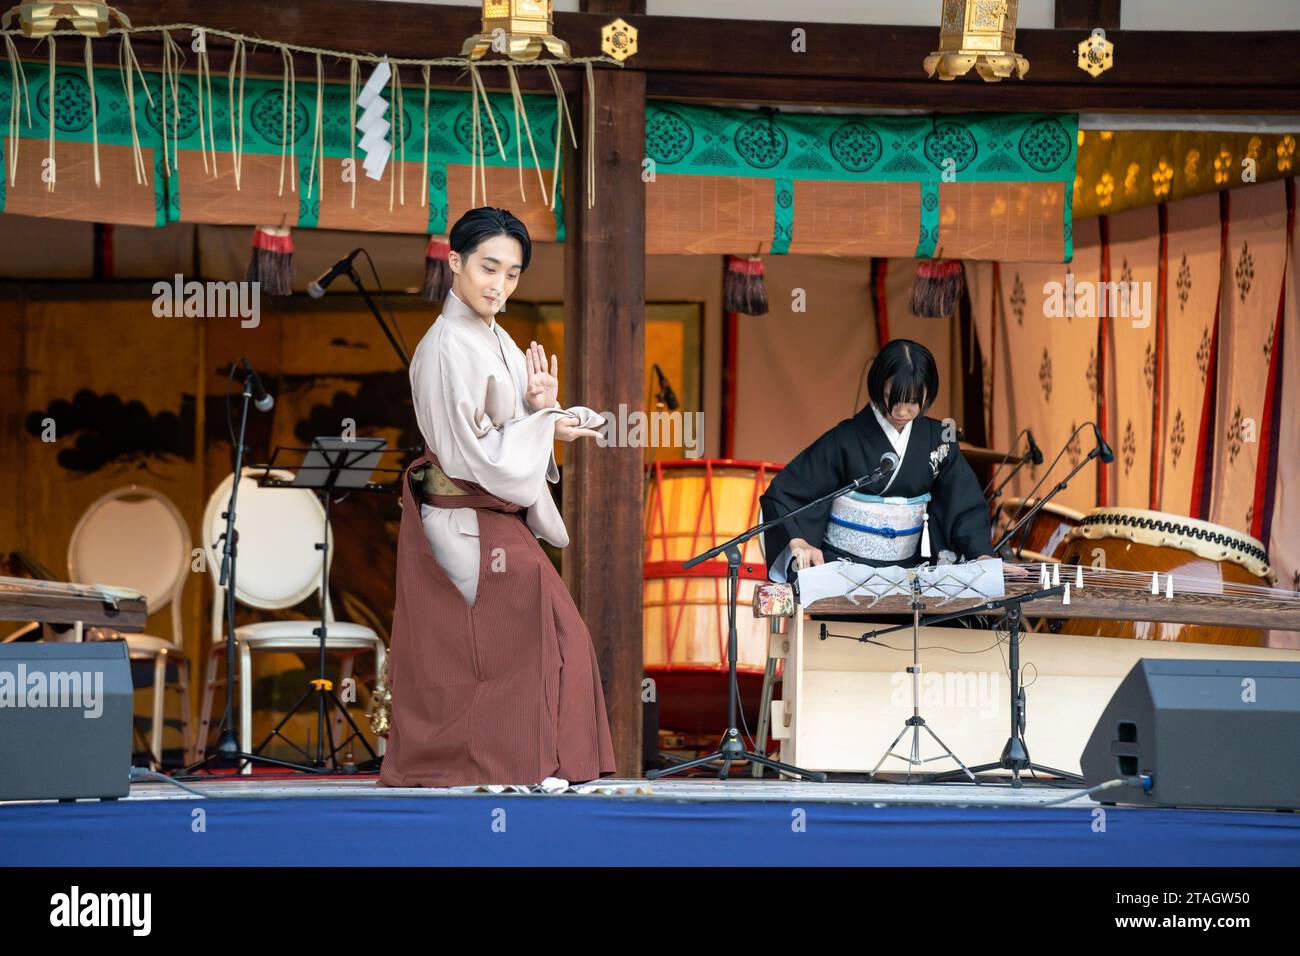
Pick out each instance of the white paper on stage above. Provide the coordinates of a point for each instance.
(864, 584)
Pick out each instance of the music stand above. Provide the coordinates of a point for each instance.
(331, 464)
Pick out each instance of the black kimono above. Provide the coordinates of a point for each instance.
(958, 517)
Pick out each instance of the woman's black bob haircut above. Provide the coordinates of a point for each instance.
(909, 369)
(485, 223)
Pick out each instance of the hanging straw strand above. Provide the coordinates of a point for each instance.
(516, 108)
(352, 125)
(53, 171)
(132, 66)
(94, 109)
(238, 61)
(424, 191)
(317, 141)
(522, 112)
(591, 137)
(18, 77)
(285, 108)
(477, 84)
(563, 116)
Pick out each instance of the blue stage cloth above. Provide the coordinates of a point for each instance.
(492, 830)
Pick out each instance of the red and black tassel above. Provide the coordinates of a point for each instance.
(437, 271)
(272, 261)
(743, 288)
(938, 288)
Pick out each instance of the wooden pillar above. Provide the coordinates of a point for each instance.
(604, 366)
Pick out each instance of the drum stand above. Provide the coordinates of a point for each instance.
(916, 723)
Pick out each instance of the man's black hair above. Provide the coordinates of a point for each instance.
(910, 370)
(484, 223)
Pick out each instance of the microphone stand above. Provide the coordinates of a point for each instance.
(1020, 463)
(732, 747)
(356, 281)
(1038, 505)
(228, 749)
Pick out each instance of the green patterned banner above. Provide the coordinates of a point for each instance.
(925, 149)
(980, 147)
(266, 126)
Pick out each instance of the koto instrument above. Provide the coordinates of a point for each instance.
(55, 602)
(1108, 598)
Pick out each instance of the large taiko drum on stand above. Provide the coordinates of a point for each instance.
(1042, 537)
(690, 506)
(1127, 540)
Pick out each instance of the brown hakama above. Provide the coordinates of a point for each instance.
(504, 692)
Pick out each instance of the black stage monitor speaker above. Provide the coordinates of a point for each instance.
(1208, 734)
(65, 721)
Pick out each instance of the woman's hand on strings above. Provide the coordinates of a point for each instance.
(1008, 569)
(543, 385)
(568, 428)
(805, 555)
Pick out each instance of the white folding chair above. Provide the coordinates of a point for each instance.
(136, 537)
(277, 566)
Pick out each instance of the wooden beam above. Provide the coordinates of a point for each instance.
(850, 64)
(1087, 14)
(613, 8)
(604, 344)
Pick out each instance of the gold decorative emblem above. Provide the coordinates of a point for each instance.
(979, 34)
(41, 19)
(1096, 54)
(618, 39)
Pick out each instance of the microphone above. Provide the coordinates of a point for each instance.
(1035, 453)
(666, 393)
(343, 266)
(888, 462)
(261, 399)
(1107, 455)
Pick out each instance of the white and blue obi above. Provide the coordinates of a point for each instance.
(879, 529)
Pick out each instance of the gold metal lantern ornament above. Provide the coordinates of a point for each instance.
(41, 19)
(520, 29)
(979, 34)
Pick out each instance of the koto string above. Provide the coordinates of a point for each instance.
(1124, 580)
